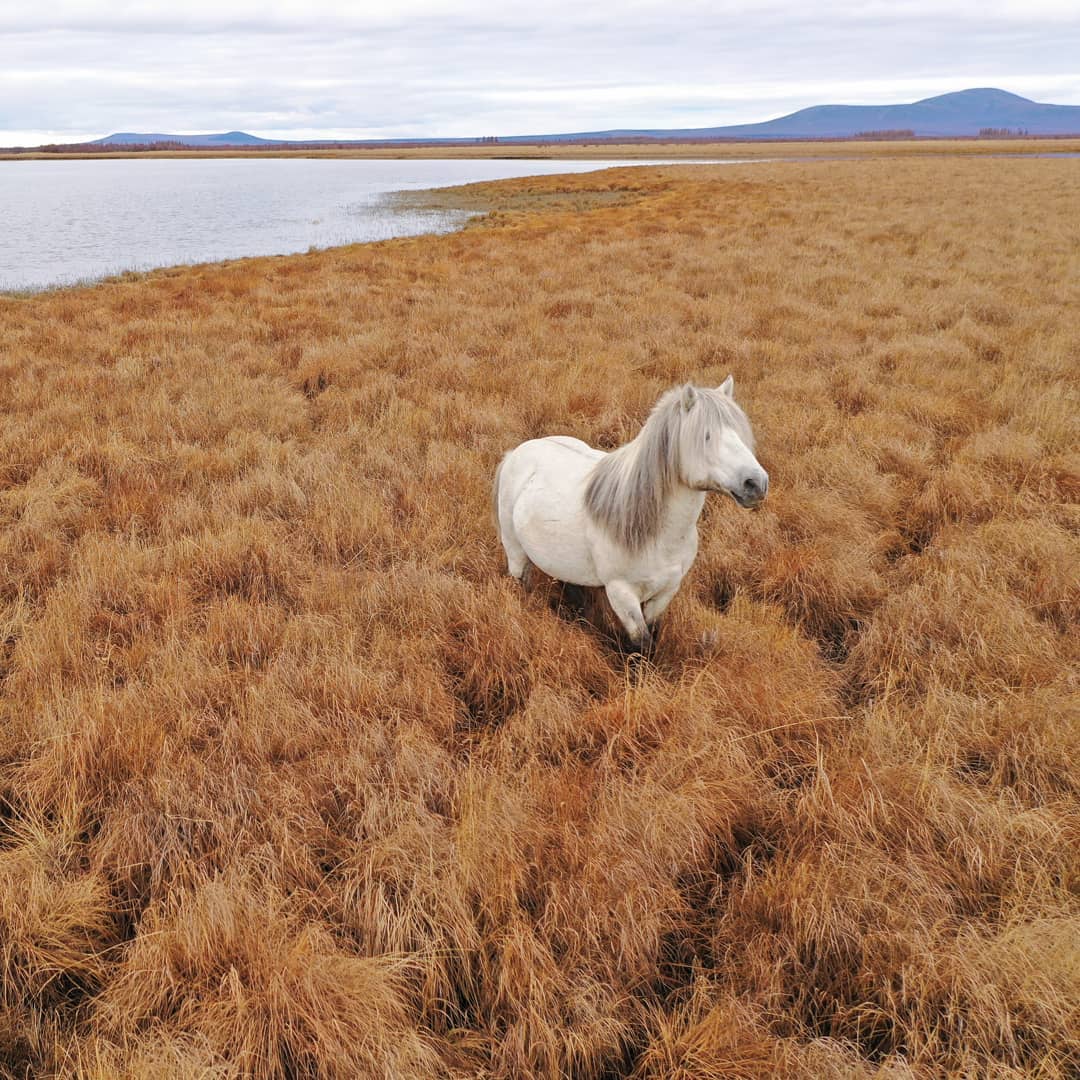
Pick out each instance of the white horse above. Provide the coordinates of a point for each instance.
(627, 520)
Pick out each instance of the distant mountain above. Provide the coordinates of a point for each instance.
(228, 138)
(966, 112)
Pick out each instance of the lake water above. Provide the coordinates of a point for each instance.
(69, 221)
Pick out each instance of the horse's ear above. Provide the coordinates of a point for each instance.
(728, 386)
(689, 396)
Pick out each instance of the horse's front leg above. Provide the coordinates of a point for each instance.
(657, 604)
(627, 606)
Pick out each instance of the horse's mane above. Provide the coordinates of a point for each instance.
(628, 489)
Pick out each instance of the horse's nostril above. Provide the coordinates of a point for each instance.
(750, 486)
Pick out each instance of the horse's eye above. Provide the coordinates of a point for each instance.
(708, 435)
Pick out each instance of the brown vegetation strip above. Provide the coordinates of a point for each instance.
(593, 151)
(294, 782)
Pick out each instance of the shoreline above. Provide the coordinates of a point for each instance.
(429, 199)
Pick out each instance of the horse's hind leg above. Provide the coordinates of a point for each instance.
(517, 562)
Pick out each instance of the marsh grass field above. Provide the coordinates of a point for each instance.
(295, 782)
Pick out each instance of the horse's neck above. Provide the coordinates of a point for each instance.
(684, 506)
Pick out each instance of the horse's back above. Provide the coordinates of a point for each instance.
(576, 445)
(561, 455)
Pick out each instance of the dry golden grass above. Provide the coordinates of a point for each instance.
(294, 782)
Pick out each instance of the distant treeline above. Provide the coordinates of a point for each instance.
(488, 140)
(984, 133)
(886, 133)
(173, 145)
(112, 148)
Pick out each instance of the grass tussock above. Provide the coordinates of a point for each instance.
(294, 782)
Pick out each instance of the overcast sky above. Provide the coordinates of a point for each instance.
(416, 68)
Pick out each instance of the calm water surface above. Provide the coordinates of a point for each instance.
(68, 221)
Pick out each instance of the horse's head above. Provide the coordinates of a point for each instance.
(716, 445)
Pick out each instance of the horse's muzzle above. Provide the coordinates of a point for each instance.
(752, 492)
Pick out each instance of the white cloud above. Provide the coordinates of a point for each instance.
(294, 69)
